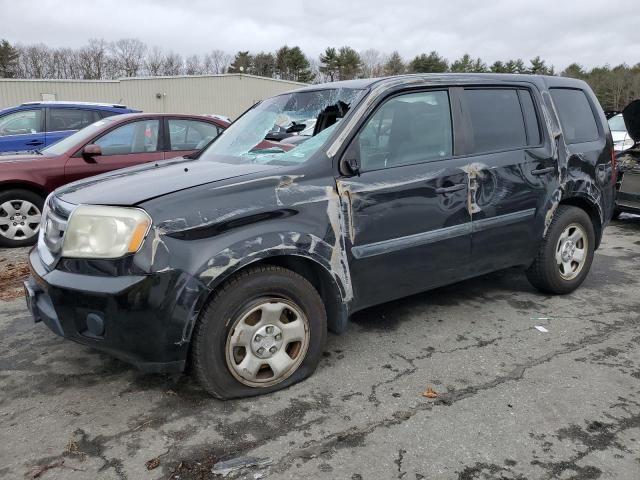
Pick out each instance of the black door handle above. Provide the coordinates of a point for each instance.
(452, 188)
(34, 143)
(543, 171)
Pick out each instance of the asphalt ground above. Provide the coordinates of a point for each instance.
(506, 400)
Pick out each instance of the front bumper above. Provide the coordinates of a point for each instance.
(145, 320)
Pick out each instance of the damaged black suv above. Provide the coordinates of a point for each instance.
(318, 203)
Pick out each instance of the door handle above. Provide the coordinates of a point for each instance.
(543, 171)
(34, 143)
(452, 188)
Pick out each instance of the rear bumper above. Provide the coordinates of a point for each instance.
(143, 320)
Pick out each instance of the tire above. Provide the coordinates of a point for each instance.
(255, 296)
(28, 206)
(546, 273)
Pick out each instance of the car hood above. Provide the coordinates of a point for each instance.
(631, 115)
(20, 158)
(131, 186)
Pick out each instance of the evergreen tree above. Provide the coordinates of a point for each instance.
(349, 63)
(394, 65)
(8, 60)
(432, 63)
(329, 63)
(242, 63)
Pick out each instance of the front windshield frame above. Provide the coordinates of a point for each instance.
(230, 147)
(77, 139)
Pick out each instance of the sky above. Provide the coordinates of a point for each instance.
(589, 32)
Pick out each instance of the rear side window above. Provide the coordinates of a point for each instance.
(496, 119)
(61, 119)
(576, 117)
(530, 119)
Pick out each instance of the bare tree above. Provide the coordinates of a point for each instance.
(173, 64)
(154, 63)
(372, 63)
(192, 66)
(94, 60)
(35, 61)
(217, 62)
(129, 55)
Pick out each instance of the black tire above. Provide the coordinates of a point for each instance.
(208, 355)
(544, 273)
(18, 195)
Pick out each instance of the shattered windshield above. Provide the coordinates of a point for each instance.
(284, 129)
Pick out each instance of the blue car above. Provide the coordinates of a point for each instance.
(35, 125)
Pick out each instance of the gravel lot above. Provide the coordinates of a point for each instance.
(511, 402)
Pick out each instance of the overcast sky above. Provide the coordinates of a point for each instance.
(561, 31)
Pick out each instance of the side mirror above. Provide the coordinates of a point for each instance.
(350, 161)
(91, 150)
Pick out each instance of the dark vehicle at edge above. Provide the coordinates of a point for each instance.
(628, 165)
(238, 261)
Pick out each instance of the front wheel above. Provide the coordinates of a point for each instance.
(20, 213)
(262, 331)
(565, 255)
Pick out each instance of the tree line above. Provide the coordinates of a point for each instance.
(130, 57)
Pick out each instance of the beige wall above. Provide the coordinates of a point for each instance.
(222, 94)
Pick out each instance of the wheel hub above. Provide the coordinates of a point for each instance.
(568, 251)
(267, 341)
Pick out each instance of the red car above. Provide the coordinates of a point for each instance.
(111, 143)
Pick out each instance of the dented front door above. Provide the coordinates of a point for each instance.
(408, 223)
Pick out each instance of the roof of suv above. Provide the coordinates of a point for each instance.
(113, 107)
(440, 78)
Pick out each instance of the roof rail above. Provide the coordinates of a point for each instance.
(63, 102)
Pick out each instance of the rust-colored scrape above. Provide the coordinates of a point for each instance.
(430, 393)
(11, 277)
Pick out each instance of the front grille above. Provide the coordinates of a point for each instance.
(52, 229)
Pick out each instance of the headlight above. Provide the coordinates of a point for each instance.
(98, 231)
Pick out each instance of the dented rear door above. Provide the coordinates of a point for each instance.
(510, 173)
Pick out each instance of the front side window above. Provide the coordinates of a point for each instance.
(23, 122)
(283, 130)
(407, 129)
(61, 119)
(190, 134)
(497, 122)
(134, 137)
(576, 117)
(616, 124)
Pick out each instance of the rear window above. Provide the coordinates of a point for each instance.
(576, 117)
(496, 119)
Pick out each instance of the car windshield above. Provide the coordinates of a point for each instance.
(616, 124)
(285, 129)
(80, 136)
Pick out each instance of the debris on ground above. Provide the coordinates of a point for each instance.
(153, 463)
(11, 277)
(430, 393)
(50, 466)
(229, 466)
(540, 328)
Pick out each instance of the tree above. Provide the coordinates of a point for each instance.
(242, 63)
(216, 62)
(394, 65)
(291, 64)
(574, 70)
(349, 63)
(192, 66)
(93, 60)
(498, 67)
(539, 67)
(372, 63)
(330, 64)
(432, 63)
(9, 57)
(463, 64)
(173, 65)
(129, 56)
(264, 65)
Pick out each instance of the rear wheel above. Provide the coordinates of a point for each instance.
(262, 331)
(565, 255)
(20, 213)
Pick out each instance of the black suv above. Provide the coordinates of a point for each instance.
(239, 260)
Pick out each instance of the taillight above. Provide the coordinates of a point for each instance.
(613, 165)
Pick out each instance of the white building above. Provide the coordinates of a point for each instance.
(229, 94)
